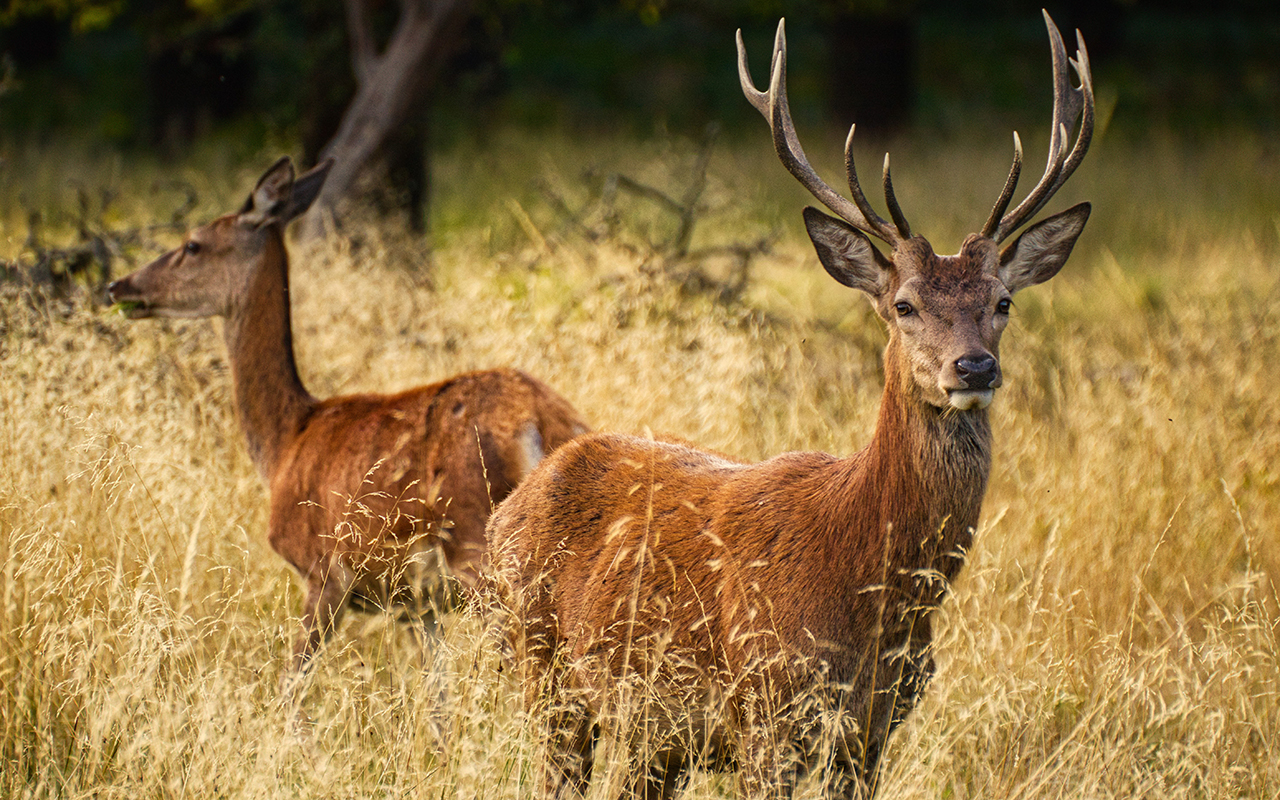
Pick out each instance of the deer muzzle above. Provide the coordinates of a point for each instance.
(979, 377)
(123, 294)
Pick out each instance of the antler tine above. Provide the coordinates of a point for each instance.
(1081, 65)
(1069, 104)
(1010, 184)
(877, 224)
(774, 107)
(891, 199)
(754, 96)
(880, 224)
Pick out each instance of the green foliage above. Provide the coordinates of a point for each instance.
(84, 15)
(633, 64)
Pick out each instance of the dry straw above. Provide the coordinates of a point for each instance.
(1114, 634)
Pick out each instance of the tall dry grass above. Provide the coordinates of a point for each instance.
(1115, 631)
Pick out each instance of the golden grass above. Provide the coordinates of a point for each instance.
(1114, 634)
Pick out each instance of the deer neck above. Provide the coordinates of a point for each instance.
(271, 402)
(926, 471)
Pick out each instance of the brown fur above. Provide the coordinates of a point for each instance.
(368, 492)
(774, 616)
(626, 556)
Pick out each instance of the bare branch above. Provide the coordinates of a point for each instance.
(364, 55)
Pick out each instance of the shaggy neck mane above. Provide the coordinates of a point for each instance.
(917, 487)
(271, 401)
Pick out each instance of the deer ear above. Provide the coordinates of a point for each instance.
(846, 253)
(305, 190)
(1042, 250)
(270, 197)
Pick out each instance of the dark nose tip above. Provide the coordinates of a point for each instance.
(978, 371)
(112, 288)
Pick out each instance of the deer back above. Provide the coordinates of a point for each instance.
(389, 469)
(618, 540)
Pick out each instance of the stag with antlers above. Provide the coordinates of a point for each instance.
(775, 617)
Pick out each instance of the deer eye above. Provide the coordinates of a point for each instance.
(191, 248)
(1003, 306)
(904, 309)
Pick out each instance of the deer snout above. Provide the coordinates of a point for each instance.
(124, 294)
(115, 291)
(980, 371)
(976, 377)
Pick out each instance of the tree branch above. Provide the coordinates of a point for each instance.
(364, 56)
(392, 83)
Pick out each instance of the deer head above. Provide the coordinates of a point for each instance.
(216, 263)
(945, 314)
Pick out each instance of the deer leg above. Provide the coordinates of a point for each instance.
(767, 768)
(569, 730)
(852, 775)
(866, 776)
(322, 610)
(905, 675)
(433, 596)
(463, 542)
(663, 777)
(854, 769)
(571, 742)
(426, 630)
(755, 784)
(432, 657)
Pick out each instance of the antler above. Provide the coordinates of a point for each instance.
(773, 106)
(1069, 104)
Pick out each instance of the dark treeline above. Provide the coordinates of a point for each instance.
(159, 74)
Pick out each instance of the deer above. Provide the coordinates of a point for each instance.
(376, 501)
(775, 618)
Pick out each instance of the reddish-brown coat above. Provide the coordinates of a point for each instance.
(776, 616)
(370, 486)
(625, 556)
(368, 492)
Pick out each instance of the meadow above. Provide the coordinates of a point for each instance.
(1114, 634)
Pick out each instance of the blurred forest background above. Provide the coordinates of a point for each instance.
(154, 77)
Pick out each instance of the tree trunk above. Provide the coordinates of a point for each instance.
(388, 86)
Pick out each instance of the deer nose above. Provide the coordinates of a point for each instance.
(113, 288)
(980, 371)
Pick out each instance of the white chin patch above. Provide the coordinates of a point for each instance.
(969, 399)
